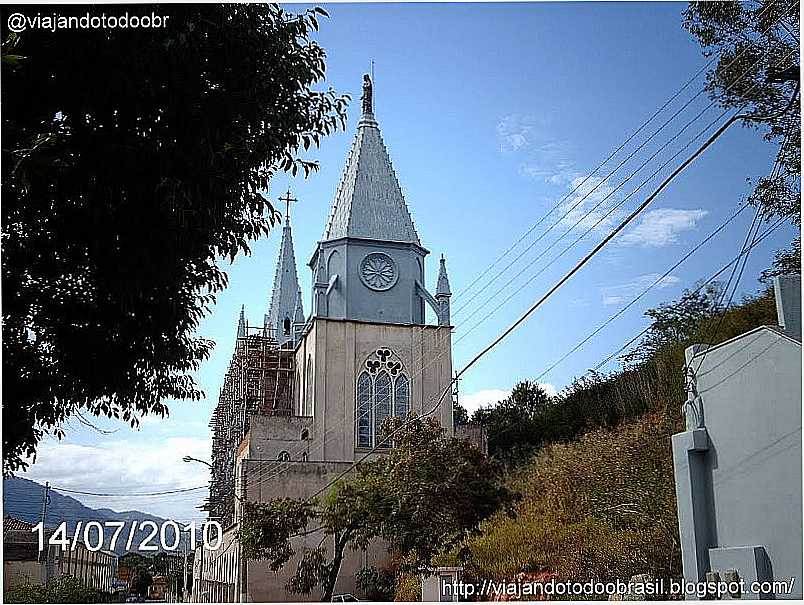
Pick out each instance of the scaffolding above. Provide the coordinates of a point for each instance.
(259, 381)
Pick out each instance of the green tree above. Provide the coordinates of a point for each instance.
(459, 414)
(678, 322)
(785, 262)
(61, 590)
(376, 584)
(141, 580)
(133, 165)
(516, 426)
(757, 69)
(426, 495)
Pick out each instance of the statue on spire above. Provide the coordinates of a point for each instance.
(367, 98)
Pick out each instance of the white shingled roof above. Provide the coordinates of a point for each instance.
(369, 201)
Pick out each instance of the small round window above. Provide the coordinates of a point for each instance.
(378, 271)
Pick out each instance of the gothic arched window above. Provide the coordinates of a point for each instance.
(299, 394)
(283, 456)
(383, 390)
(308, 410)
(382, 404)
(363, 410)
(401, 396)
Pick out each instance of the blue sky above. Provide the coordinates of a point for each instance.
(491, 114)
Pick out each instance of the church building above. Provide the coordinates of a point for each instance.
(306, 396)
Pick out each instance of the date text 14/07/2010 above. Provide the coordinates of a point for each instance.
(141, 536)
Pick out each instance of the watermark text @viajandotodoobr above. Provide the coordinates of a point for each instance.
(19, 22)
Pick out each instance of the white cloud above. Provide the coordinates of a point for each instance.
(545, 157)
(591, 200)
(620, 293)
(556, 171)
(119, 466)
(662, 227)
(486, 397)
(474, 401)
(514, 132)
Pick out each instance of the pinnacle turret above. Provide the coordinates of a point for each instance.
(443, 293)
(241, 324)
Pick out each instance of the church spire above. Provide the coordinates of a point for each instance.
(241, 324)
(369, 203)
(285, 304)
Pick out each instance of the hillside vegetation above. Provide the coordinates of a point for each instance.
(593, 466)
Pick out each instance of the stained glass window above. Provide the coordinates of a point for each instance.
(401, 396)
(383, 390)
(363, 409)
(382, 405)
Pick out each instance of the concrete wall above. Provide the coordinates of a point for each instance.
(95, 569)
(265, 480)
(329, 358)
(20, 572)
(476, 434)
(338, 350)
(269, 436)
(738, 466)
(216, 572)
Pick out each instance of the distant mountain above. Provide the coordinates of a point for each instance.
(22, 498)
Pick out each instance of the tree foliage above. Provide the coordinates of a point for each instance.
(755, 40)
(377, 584)
(426, 495)
(60, 590)
(460, 415)
(786, 262)
(133, 163)
(516, 425)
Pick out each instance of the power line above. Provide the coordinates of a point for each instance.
(144, 494)
(277, 464)
(600, 203)
(636, 299)
(618, 149)
(695, 291)
(264, 474)
(579, 185)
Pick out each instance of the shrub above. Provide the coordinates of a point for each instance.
(601, 508)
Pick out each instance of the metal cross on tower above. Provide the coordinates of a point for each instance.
(288, 199)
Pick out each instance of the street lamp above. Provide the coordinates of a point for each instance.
(201, 592)
(191, 459)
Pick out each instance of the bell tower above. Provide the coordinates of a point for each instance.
(369, 264)
(367, 353)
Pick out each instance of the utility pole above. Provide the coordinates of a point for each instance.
(184, 585)
(45, 546)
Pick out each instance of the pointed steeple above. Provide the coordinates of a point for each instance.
(443, 294)
(285, 303)
(298, 315)
(369, 202)
(442, 286)
(241, 324)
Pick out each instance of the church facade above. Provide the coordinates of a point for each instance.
(364, 353)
